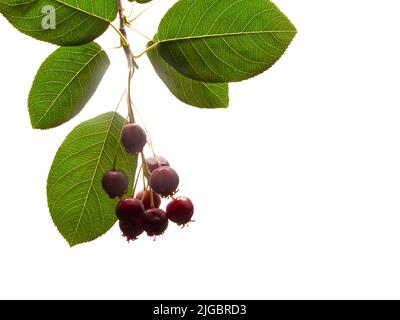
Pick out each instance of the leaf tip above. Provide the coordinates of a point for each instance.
(71, 244)
(36, 125)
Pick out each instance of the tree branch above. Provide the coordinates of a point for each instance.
(129, 56)
(128, 52)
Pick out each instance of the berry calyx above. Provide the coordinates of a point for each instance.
(164, 181)
(130, 209)
(153, 163)
(133, 138)
(115, 183)
(130, 230)
(145, 197)
(180, 210)
(155, 222)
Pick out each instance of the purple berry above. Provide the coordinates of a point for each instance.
(164, 181)
(153, 164)
(130, 213)
(133, 138)
(180, 210)
(130, 230)
(146, 199)
(155, 222)
(115, 183)
(130, 209)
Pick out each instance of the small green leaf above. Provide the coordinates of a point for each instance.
(64, 83)
(76, 22)
(192, 92)
(80, 208)
(224, 40)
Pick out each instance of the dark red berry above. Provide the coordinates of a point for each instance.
(115, 183)
(180, 210)
(133, 138)
(153, 164)
(155, 222)
(146, 199)
(130, 230)
(164, 181)
(130, 209)
(130, 213)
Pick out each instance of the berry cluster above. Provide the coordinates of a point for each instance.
(142, 212)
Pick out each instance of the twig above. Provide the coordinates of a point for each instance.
(125, 44)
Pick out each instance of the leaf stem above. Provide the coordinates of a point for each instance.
(113, 48)
(143, 11)
(138, 32)
(132, 7)
(124, 40)
(147, 49)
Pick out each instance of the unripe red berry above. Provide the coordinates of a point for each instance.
(180, 210)
(115, 183)
(133, 138)
(146, 199)
(164, 181)
(155, 222)
(153, 163)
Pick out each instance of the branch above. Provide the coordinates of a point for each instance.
(129, 56)
(128, 52)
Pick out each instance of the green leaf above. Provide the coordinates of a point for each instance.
(224, 40)
(64, 83)
(192, 92)
(80, 208)
(76, 22)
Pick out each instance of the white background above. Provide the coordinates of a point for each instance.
(296, 185)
